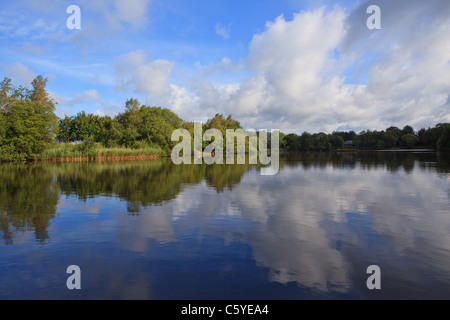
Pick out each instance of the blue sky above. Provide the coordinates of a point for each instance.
(290, 65)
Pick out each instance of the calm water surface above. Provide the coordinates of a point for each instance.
(153, 230)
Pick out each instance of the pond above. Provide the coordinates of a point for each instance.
(155, 230)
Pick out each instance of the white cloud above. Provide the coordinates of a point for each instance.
(133, 72)
(115, 14)
(32, 48)
(20, 73)
(89, 95)
(103, 19)
(298, 80)
(153, 77)
(298, 74)
(74, 101)
(223, 31)
(57, 98)
(133, 11)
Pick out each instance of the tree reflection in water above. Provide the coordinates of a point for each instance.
(29, 193)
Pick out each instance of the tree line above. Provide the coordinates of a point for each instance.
(29, 127)
(139, 126)
(393, 137)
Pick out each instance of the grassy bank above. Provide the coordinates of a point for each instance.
(69, 152)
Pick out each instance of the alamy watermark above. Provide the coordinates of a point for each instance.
(374, 21)
(374, 281)
(74, 21)
(214, 152)
(74, 281)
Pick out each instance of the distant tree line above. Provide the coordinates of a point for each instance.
(29, 126)
(312, 142)
(393, 137)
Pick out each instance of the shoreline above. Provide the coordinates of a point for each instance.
(96, 158)
(101, 158)
(145, 157)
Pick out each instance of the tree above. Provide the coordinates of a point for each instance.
(104, 132)
(282, 140)
(222, 124)
(293, 142)
(5, 93)
(82, 126)
(158, 125)
(407, 130)
(409, 140)
(129, 123)
(346, 136)
(65, 130)
(431, 136)
(420, 135)
(307, 142)
(395, 133)
(29, 120)
(321, 141)
(390, 140)
(443, 142)
(336, 141)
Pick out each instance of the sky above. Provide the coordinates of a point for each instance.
(291, 65)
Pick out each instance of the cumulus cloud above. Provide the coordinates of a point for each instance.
(302, 72)
(286, 63)
(133, 72)
(322, 70)
(153, 77)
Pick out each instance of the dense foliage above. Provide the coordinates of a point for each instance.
(138, 126)
(393, 137)
(27, 120)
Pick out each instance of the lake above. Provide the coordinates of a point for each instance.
(154, 230)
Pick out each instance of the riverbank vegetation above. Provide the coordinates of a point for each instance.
(30, 130)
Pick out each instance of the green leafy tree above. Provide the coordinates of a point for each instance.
(321, 141)
(104, 131)
(65, 129)
(293, 142)
(409, 140)
(443, 142)
(31, 122)
(5, 94)
(222, 124)
(129, 123)
(431, 136)
(84, 126)
(407, 130)
(307, 142)
(3, 127)
(336, 141)
(158, 125)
